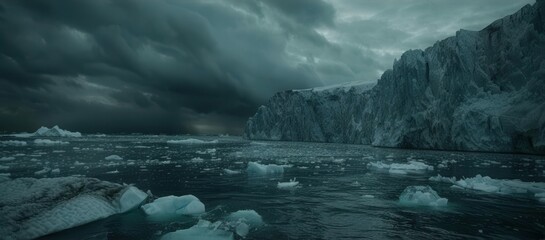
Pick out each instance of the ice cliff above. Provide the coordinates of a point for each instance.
(476, 91)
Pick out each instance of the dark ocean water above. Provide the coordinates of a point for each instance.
(338, 197)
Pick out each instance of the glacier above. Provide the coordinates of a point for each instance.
(476, 91)
(31, 208)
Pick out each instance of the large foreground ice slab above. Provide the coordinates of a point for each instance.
(421, 196)
(30, 208)
(169, 207)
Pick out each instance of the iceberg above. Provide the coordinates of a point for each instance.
(474, 91)
(47, 142)
(191, 141)
(421, 196)
(169, 207)
(64, 203)
(113, 158)
(50, 132)
(400, 168)
(257, 169)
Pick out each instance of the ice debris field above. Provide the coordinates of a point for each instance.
(67, 186)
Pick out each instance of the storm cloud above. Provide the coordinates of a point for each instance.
(173, 66)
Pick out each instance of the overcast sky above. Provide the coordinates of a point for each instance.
(194, 66)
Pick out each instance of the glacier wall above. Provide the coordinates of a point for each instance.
(476, 91)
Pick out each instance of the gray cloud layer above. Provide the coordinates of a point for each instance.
(174, 66)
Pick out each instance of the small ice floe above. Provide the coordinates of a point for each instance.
(113, 172)
(203, 230)
(440, 178)
(56, 171)
(77, 163)
(113, 158)
(502, 186)
(166, 208)
(197, 160)
(45, 170)
(47, 142)
(368, 196)
(257, 169)
(291, 185)
(338, 160)
(240, 222)
(243, 221)
(191, 141)
(401, 168)
(231, 172)
(7, 158)
(421, 196)
(14, 143)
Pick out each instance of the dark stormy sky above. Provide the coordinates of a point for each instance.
(201, 66)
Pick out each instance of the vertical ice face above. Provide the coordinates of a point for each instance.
(477, 91)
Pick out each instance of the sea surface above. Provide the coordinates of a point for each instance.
(338, 196)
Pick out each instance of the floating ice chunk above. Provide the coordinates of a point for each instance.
(421, 196)
(368, 196)
(231, 172)
(43, 171)
(440, 178)
(401, 168)
(113, 172)
(191, 141)
(7, 158)
(291, 185)
(131, 198)
(203, 230)
(501, 186)
(197, 160)
(5, 177)
(56, 171)
(168, 207)
(15, 143)
(263, 169)
(47, 142)
(113, 158)
(244, 221)
(63, 203)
